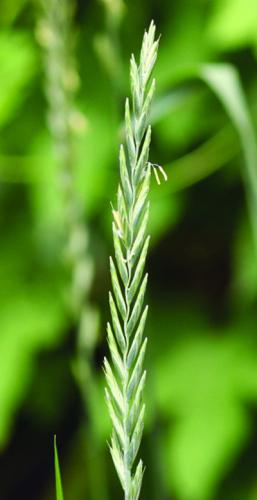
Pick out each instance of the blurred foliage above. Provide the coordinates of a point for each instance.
(201, 429)
(16, 71)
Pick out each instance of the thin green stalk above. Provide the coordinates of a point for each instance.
(126, 377)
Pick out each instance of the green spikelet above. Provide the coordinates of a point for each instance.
(126, 378)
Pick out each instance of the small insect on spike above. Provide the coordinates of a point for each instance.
(155, 166)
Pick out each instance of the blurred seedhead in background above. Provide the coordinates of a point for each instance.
(54, 32)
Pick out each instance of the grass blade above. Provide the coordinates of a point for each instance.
(58, 479)
(224, 81)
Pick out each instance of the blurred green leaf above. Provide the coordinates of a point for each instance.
(18, 65)
(9, 10)
(199, 450)
(210, 376)
(233, 23)
(224, 81)
(97, 153)
(181, 119)
(45, 195)
(182, 44)
(30, 320)
(58, 479)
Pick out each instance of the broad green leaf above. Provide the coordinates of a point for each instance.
(58, 479)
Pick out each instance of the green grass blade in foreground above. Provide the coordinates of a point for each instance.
(58, 479)
(125, 375)
(224, 81)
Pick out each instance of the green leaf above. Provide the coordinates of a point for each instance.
(25, 330)
(224, 81)
(93, 175)
(58, 479)
(198, 450)
(212, 381)
(198, 445)
(181, 116)
(183, 44)
(233, 24)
